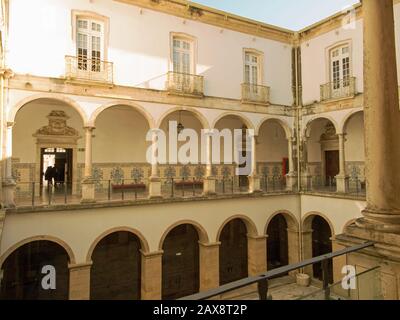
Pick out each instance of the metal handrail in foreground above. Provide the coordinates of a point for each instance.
(262, 280)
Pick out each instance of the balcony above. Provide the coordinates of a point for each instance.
(255, 94)
(185, 84)
(88, 70)
(345, 88)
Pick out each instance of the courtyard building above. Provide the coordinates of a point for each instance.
(84, 84)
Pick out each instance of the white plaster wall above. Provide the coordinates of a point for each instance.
(354, 146)
(272, 145)
(338, 211)
(315, 60)
(120, 136)
(41, 35)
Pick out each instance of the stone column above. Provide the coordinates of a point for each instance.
(209, 265)
(151, 275)
(257, 254)
(209, 180)
(342, 180)
(88, 183)
(79, 281)
(307, 250)
(305, 175)
(291, 177)
(382, 118)
(293, 248)
(155, 181)
(254, 179)
(8, 183)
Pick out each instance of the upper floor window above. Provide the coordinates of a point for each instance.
(340, 66)
(252, 68)
(182, 55)
(89, 44)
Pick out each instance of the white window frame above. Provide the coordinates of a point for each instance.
(193, 51)
(92, 17)
(260, 65)
(329, 63)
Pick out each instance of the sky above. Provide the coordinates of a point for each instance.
(290, 14)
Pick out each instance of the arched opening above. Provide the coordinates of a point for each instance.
(120, 166)
(355, 152)
(183, 172)
(180, 262)
(46, 158)
(116, 270)
(233, 263)
(277, 243)
(272, 155)
(321, 244)
(235, 161)
(25, 276)
(322, 154)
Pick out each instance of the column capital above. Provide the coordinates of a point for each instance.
(89, 128)
(149, 255)
(10, 124)
(80, 265)
(210, 244)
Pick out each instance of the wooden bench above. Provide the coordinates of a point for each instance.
(129, 187)
(188, 184)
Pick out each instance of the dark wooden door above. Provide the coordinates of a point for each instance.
(331, 165)
(180, 263)
(233, 252)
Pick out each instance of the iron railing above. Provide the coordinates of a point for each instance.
(85, 69)
(255, 93)
(262, 280)
(184, 83)
(343, 88)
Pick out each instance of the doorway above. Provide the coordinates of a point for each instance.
(277, 243)
(321, 244)
(61, 160)
(331, 166)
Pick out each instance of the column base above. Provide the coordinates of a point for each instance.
(254, 184)
(155, 188)
(209, 186)
(8, 193)
(291, 181)
(383, 254)
(380, 221)
(88, 191)
(342, 184)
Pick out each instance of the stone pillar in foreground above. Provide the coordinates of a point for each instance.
(88, 184)
(382, 118)
(381, 222)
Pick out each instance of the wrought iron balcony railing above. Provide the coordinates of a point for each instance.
(343, 88)
(93, 70)
(255, 93)
(184, 83)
